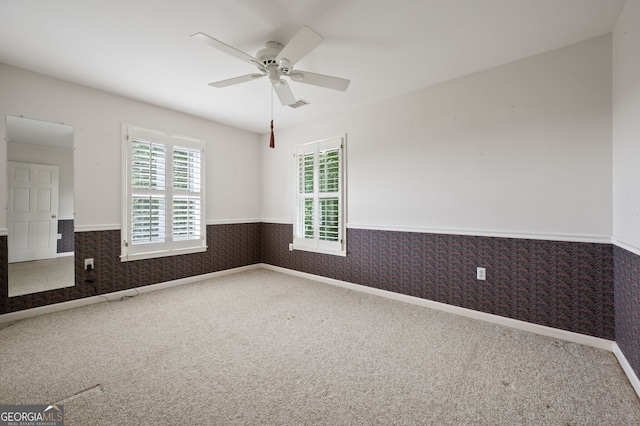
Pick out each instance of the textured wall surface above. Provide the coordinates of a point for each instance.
(230, 246)
(4, 271)
(627, 295)
(66, 243)
(564, 285)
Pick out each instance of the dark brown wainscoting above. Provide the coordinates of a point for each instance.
(66, 243)
(627, 296)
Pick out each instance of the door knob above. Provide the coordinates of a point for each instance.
(53, 216)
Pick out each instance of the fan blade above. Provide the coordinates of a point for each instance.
(300, 45)
(235, 80)
(321, 80)
(284, 93)
(226, 48)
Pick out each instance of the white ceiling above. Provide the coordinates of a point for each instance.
(142, 49)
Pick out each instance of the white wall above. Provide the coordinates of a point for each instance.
(232, 155)
(524, 148)
(626, 126)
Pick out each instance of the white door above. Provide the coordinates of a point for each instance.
(33, 211)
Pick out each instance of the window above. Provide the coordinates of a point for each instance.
(163, 195)
(319, 216)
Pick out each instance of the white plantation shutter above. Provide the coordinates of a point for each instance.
(319, 219)
(186, 197)
(148, 219)
(163, 194)
(305, 210)
(186, 218)
(329, 195)
(148, 191)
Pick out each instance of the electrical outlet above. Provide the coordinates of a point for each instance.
(481, 274)
(88, 264)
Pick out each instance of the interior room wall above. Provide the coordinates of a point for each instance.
(626, 181)
(520, 151)
(508, 169)
(524, 148)
(233, 187)
(626, 126)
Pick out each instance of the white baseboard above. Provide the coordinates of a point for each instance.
(569, 336)
(631, 375)
(56, 307)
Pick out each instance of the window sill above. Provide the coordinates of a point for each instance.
(160, 253)
(341, 253)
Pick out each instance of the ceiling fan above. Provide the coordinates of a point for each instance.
(276, 61)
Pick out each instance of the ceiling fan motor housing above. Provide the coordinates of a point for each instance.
(267, 56)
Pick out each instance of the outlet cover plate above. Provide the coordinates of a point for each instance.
(87, 263)
(481, 274)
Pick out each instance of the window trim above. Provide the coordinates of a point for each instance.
(316, 245)
(167, 247)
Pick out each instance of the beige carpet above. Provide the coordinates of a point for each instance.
(41, 275)
(260, 347)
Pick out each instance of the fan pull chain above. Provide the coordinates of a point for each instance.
(272, 141)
